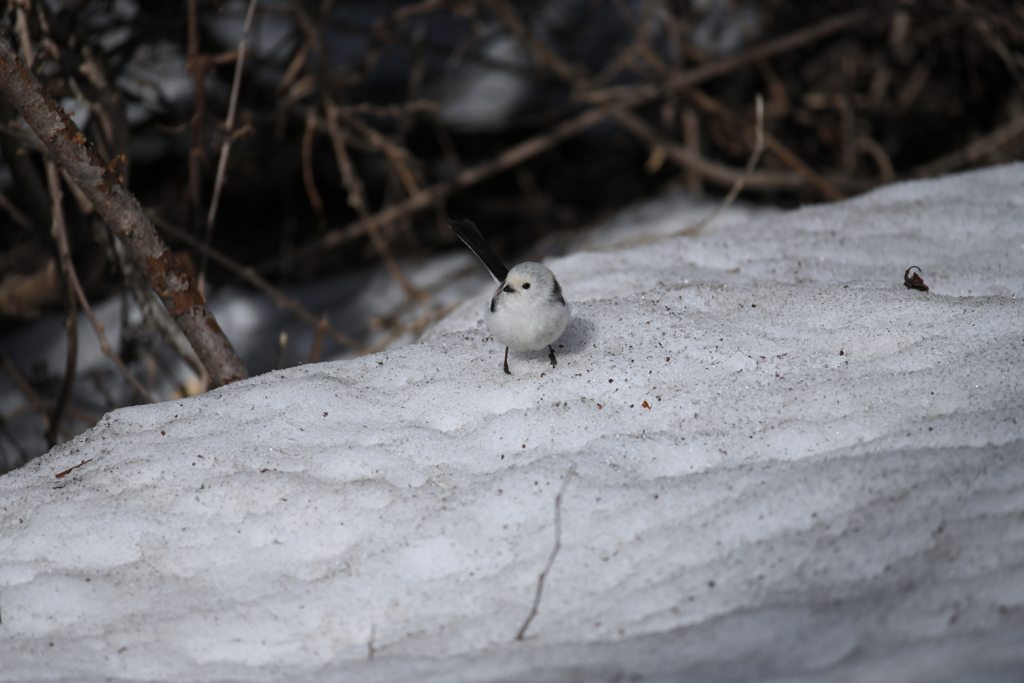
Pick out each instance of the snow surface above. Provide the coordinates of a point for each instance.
(823, 481)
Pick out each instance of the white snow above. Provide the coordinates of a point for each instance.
(788, 467)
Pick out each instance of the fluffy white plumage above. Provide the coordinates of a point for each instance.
(528, 311)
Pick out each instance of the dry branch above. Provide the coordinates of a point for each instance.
(197, 66)
(34, 401)
(59, 233)
(229, 122)
(356, 193)
(64, 249)
(122, 212)
(635, 95)
(434, 194)
(755, 157)
(551, 558)
(250, 276)
(973, 152)
(785, 155)
(710, 170)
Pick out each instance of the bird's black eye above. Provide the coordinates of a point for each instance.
(526, 285)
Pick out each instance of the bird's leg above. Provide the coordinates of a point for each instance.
(506, 362)
(551, 356)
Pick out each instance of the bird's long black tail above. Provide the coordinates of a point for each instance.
(470, 234)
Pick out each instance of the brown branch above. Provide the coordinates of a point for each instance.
(229, 122)
(59, 232)
(14, 213)
(308, 178)
(197, 65)
(250, 276)
(973, 152)
(356, 192)
(415, 327)
(397, 155)
(102, 187)
(686, 156)
(635, 95)
(691, 141)
(710, 170)
(61, 475)
(551, 558)
(756, 56)
(294, 68)
(877, 152)
(755, 156)
(37, 404)
(431, 196)
(508, 17)
(397, 110)
(318, 338)
(773, 144)
(282, 346)
(155, 314)
(350, 180)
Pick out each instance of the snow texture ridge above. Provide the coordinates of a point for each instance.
(787, 467)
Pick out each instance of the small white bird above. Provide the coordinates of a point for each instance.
(527, 311)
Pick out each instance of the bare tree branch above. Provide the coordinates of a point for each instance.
(102, 187)
(229, 123)
(59, 232)
(431, 196)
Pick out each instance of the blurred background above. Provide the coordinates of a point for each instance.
(302, 157)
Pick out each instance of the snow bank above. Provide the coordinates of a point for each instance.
(784, 465)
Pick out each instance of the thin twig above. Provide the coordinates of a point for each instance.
(691, 141)
(396, 154)
(710, 170)
(282, 346)
(785, 155)
(15, 214)
(308, 179)
(635, 95)
(229, 123)
(755, 156)
(691, 159)
(24, 36)
(973, 152)
(37, 404)
(61, 475)
(430, 196)
(249, 275)
(197, 65)
(155, 315)
(877, 152)
(318, 339)
(396, 110)
(416, 327)
(59, 229)
(350, 180)
(551, 558)
(291, 74)
(356, 192)
(23, 456)
(508, 17)
(60, 234)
